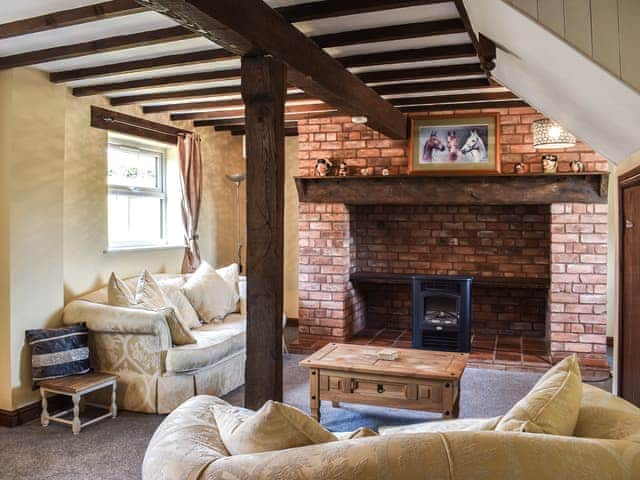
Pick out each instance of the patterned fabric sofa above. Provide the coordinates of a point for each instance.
(153, 375)
(606, 444)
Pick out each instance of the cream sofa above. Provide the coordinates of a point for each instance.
(605, 445)
(153, 375)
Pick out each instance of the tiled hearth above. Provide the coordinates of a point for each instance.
(496, 352)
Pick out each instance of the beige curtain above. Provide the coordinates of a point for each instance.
(190, 156)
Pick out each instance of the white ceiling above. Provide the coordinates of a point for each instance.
(559, 81)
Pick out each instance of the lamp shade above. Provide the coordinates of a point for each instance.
(548, 134)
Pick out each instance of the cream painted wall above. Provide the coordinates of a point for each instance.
(614, 248)
(53, 213)
(291, 229)
(604, 30)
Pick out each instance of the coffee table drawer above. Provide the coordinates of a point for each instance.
(380, 388)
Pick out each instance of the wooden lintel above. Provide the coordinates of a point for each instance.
(251, 26)
(128, 124)
(531, 189)
(263, 92)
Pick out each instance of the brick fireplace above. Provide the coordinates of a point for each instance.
(539, 270)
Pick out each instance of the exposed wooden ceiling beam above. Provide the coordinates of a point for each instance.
(394, 32)
(288, 132)
(232, 74)
(416, 87)
(240, 124)
(462, 97)
(95, 46)
(464, 106)
(67, 18)
(251, 27)
(179, 59)
(336, 8)
(464, 50)
(202, 92)
(174, 107)
(316, 107)
(420, 73)
(485, 47)
(239, 120)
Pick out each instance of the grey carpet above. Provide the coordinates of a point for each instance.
(113, 449)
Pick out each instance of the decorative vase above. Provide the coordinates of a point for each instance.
(549, 163)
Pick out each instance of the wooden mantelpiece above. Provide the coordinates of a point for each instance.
(480, 281)
(510, 189)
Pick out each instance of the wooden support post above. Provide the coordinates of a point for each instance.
(264, 92)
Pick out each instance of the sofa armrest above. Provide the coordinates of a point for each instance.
(109, 319)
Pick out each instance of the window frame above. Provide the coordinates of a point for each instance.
(145, 192)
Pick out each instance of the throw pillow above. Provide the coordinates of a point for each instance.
(275, 426)
(149, 295)
(118, 294)
(58, 352)
(552, 406)
(231, 275)
(210, 295)
(172, 289)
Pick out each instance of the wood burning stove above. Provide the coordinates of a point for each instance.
(442, 313)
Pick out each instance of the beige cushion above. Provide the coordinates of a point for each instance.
(456, 425)
(552, 406)
(118, 294)
(275, 426)
(361, 432)
(231, 275)
(216, 341)
(603, 415)
(210, 295)
(172, 288)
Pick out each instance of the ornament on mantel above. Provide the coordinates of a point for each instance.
(385, 172)
(323, 167)
(521, 168)
(342, 170)
(549, 163)
(577, 166)
(366, 171)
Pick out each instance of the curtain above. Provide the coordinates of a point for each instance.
(190, 156)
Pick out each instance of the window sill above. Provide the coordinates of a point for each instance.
(150, 248)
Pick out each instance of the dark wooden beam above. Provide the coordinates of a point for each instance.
(239, 120)
(461, 97)
(288, 132)
(421, 73)
(201, 92)
(315, 107)
(510, 189)
(487, 54)
(464, 50)
(174, 107)
(233, 74)
(394, 32)
(415, 87)
(67, 18)
(336, 8)
(123, 123)
(95, 46)
(263, 91)
(240, 126)
(251, 26)
(464, 106)
(213, 55)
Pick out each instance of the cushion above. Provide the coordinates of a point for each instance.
(215, 342)
(552, 406)
(606, 416)
(275, 426)
(58, 352)
(231, 275)
(118, 294)
(172, 289)
(210, 295)
(361, 432)
(455, 425)
(149, 295)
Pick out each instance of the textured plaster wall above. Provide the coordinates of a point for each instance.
(291, 229)
(53, 213)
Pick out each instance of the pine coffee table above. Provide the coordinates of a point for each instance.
(416, 379)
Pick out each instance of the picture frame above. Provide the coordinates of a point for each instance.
(455, 145)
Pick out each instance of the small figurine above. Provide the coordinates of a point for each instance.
(549, 163)
(342, 170)
(577, 166)
(365, 171)
(323, 166)
(385, 172)
(521, 168)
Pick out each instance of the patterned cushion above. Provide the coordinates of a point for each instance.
(58, 352)
(210, 294)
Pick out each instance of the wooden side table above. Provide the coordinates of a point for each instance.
(76, 386)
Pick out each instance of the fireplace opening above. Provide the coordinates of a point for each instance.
(442, 313)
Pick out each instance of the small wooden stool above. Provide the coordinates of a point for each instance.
(75, 386)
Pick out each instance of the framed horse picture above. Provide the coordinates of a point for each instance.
(457, 144)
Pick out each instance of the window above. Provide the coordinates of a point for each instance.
(138, 199)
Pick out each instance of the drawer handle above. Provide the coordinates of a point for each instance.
(380, 388)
